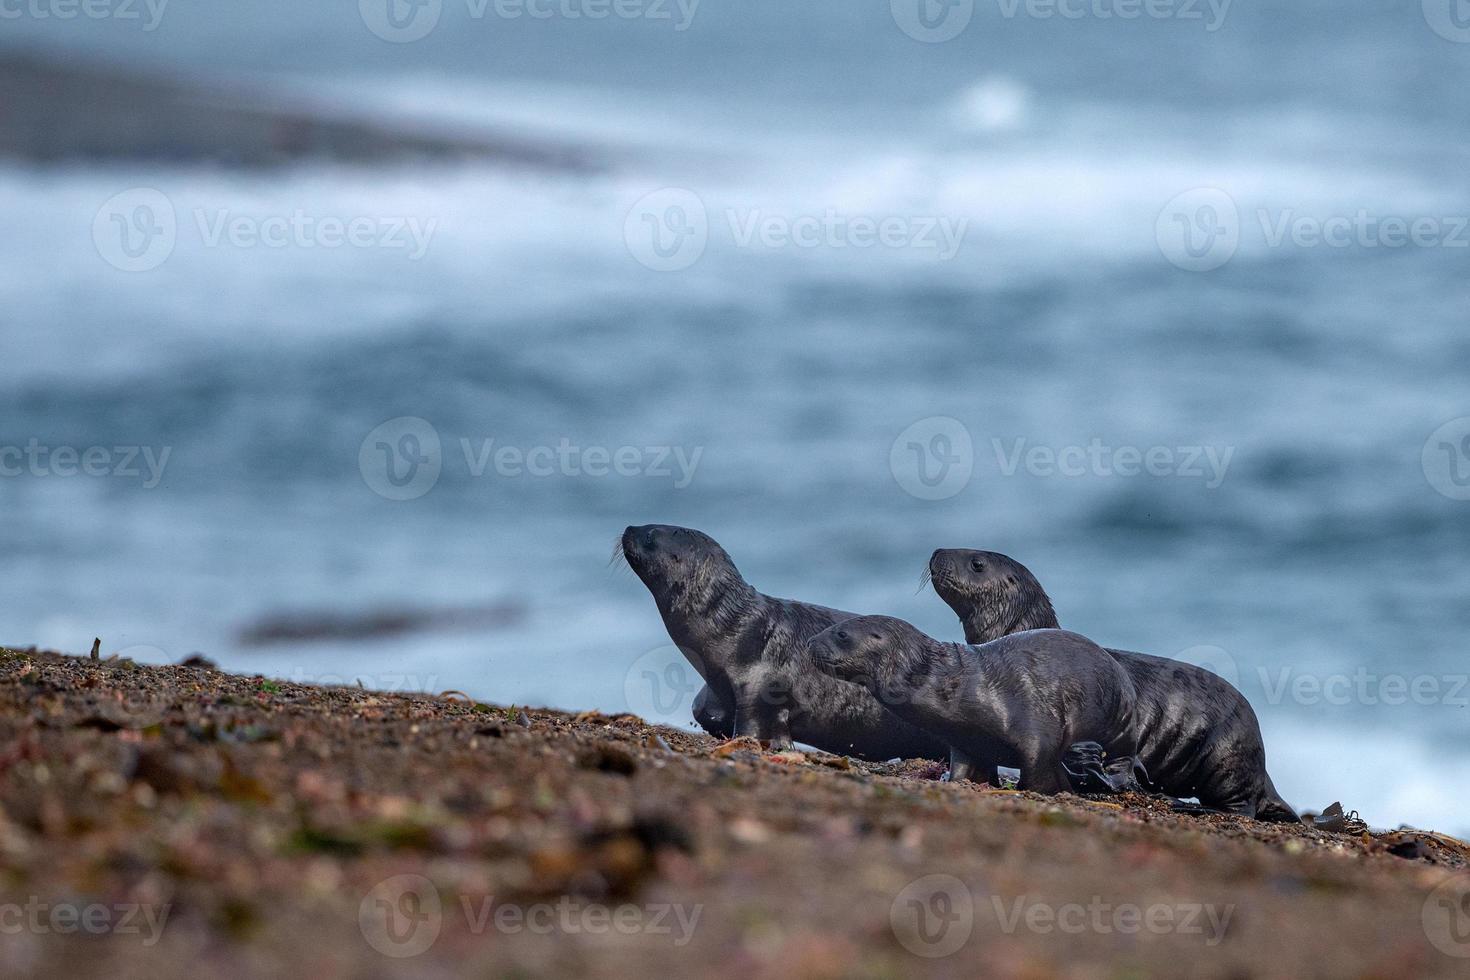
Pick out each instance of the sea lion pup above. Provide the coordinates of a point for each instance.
(1198, 735)
(750, 650)
(1020, 701)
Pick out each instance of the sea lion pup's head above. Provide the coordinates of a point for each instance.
(887, 656)
(994, 595)
(679, 564)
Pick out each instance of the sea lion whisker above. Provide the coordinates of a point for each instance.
(618, 562)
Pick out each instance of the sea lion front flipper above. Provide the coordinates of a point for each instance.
(1083, 762)
(963, 766)
(1042, 770)
(712, 714)
(1089, 770)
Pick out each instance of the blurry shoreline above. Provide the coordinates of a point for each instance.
(57, 113)
(318, 626)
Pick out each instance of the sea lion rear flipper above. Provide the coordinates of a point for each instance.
(1272, 808)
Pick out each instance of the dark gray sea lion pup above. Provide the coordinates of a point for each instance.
(750, 650)
(1198, 736)
(1021, 700)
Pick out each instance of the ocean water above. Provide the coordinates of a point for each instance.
(1130, 269)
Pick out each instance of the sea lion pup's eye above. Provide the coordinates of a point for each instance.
(976, 565)
(842, 635)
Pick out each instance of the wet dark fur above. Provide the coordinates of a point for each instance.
(1198, 736)
(1021, 700)
(750, 650)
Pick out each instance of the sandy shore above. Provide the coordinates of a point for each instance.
(183, 822)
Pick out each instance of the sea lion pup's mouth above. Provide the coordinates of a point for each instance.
(823, 652)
